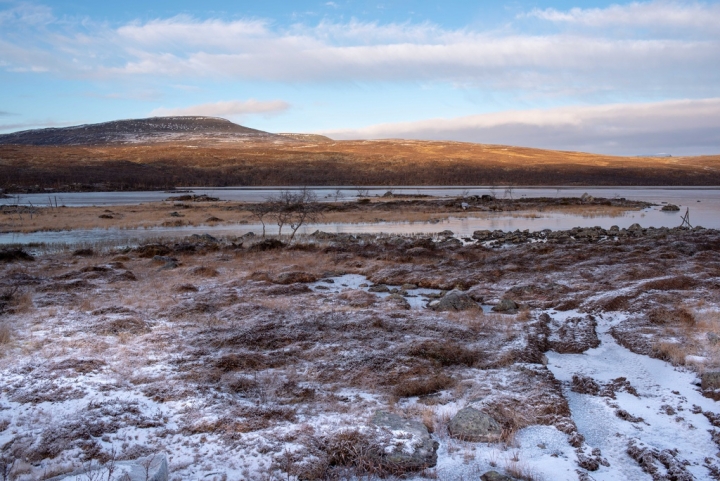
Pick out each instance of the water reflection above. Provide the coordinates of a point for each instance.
(704, 204)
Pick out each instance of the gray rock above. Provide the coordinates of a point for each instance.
(455, 301)
(379, 288)
(670, 208)
(495, 476)
(505, 305)
(446, 233)
(423, 452)
(469, 424)
(151, 468)
(398, 301)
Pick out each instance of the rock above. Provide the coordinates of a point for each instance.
(379, 288)
(482, 235)
(635, 227)
(455, 301)
(416, 453)
(398, 301)
(469, 424)
(495, 476)
(505, 305)
(670, 208)
(293, 277)
(151, 468)
(446, 233)
(408, 287)
(204, 237)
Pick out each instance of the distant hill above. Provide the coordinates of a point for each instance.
(308, 137)
(143, 131)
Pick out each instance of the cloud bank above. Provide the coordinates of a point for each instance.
(226, 109)
(619, 54)
(680, 127)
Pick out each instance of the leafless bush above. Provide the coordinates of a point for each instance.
(445, 353)
(5, 333)
(679, 315)
(422, 386)
(294, 209)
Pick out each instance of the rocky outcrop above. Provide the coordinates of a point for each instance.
(469, 424)
(455, 301)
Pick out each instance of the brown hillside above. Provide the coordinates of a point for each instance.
(386, 162)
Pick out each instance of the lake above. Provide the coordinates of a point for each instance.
(704, 205)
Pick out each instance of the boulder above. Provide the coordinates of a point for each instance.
(446, 233)
(670, 208)
(469, 424)
(379, 288)
(455, 301)
(416, 448)
(397, 300)
(505, 305)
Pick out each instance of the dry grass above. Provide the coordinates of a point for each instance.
(385, 162)
(5, 334)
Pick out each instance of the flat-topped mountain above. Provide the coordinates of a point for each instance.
(143, 131)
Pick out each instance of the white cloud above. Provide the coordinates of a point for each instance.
(679, 127)
(186, 48)
(226, 109)
(655, 14)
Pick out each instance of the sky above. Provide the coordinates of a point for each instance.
(626, 78)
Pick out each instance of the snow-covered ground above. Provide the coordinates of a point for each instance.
(234, 373)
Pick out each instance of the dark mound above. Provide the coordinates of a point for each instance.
(156, 129)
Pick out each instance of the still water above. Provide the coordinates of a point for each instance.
(704, 205)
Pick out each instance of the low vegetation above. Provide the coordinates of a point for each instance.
(254, 361)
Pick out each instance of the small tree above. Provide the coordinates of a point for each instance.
(260, 212)
(294, 209)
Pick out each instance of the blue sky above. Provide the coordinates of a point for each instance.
(622, 78)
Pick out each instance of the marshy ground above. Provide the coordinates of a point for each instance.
(187, 210)
(271, 360)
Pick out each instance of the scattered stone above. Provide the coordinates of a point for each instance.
(469, 424)
(505, 305)
(670, 208)
(455, 301)
(379, 288)
(419, 453)
(446, 233)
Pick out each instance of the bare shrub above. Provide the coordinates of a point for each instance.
(204, 271)
(671, 316)
(672, 352)
(445, 353)
(5, 333)
(670, 284)
(422, 386)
